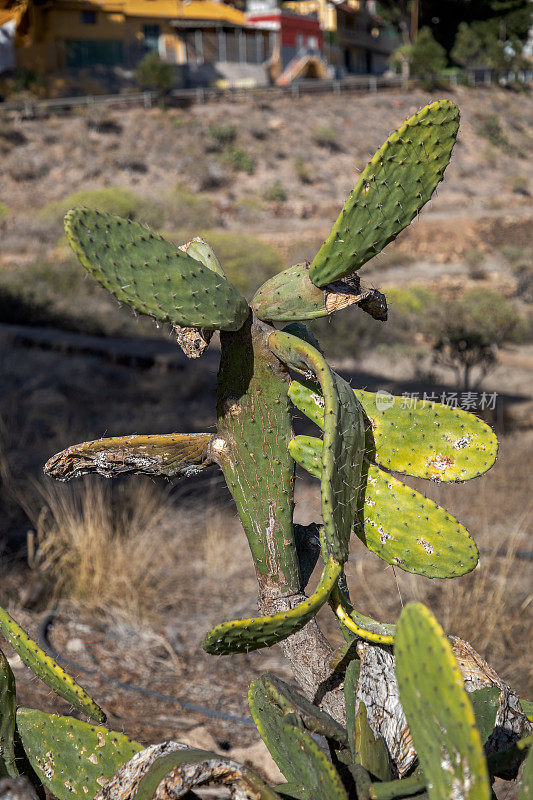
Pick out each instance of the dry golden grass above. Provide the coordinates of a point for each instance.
(104, 547)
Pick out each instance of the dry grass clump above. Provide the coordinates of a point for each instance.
(103, 547)
(131, 547)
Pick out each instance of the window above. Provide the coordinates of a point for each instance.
(151, 36)
(84, 53)
(88, 17)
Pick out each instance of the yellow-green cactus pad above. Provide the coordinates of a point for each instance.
(243, 635)
(398, 523)
(46, 668)
(8, 707)
(417, 437)
(71, 757)
(391, 190)
(438, 710)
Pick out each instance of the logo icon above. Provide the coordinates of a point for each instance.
(384, 400)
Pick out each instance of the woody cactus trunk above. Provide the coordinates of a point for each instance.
(270, 363)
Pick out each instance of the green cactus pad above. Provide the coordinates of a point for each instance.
(290, 295)
(8, 707)
(437, 708)
(293, 749)
(46, 668)
(170, 454)
(525, 792)
(182, 770)
(527, 707)
(293, 790)
(343, 443)
(369, 751)
(398, 523)
(485, 703)
(351, 680)
(307, 452)
(289, 701)
(72, 757)
(391, 190)
(152, 275)
(419, 438)
(243, 635)
(203, 252)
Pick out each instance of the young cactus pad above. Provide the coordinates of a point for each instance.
(254, 444)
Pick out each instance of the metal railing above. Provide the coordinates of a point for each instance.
(351, 83)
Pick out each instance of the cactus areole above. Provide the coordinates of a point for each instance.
(266, 370)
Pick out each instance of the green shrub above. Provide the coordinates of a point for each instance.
(4, 211)
(154, 74)
(301, 170)
(328, 138)
(113, 199)
(275, 193)
(223, 135)
(426, 56)
(490, 128)
(239, 159)
(187, 210)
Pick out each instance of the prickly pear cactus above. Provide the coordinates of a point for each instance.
(264, 373)
(71, 756)
(254, 445)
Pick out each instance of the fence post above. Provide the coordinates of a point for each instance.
(295, 89)
(372, 84)
(453, 79)
(147, 100)
(336, 87)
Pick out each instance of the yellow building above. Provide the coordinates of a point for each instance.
(57, 35)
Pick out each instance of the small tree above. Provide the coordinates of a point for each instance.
(468, 332)
(153, 73)
(425, 56)
(468, 49)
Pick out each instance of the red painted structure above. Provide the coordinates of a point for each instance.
(295, 30)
